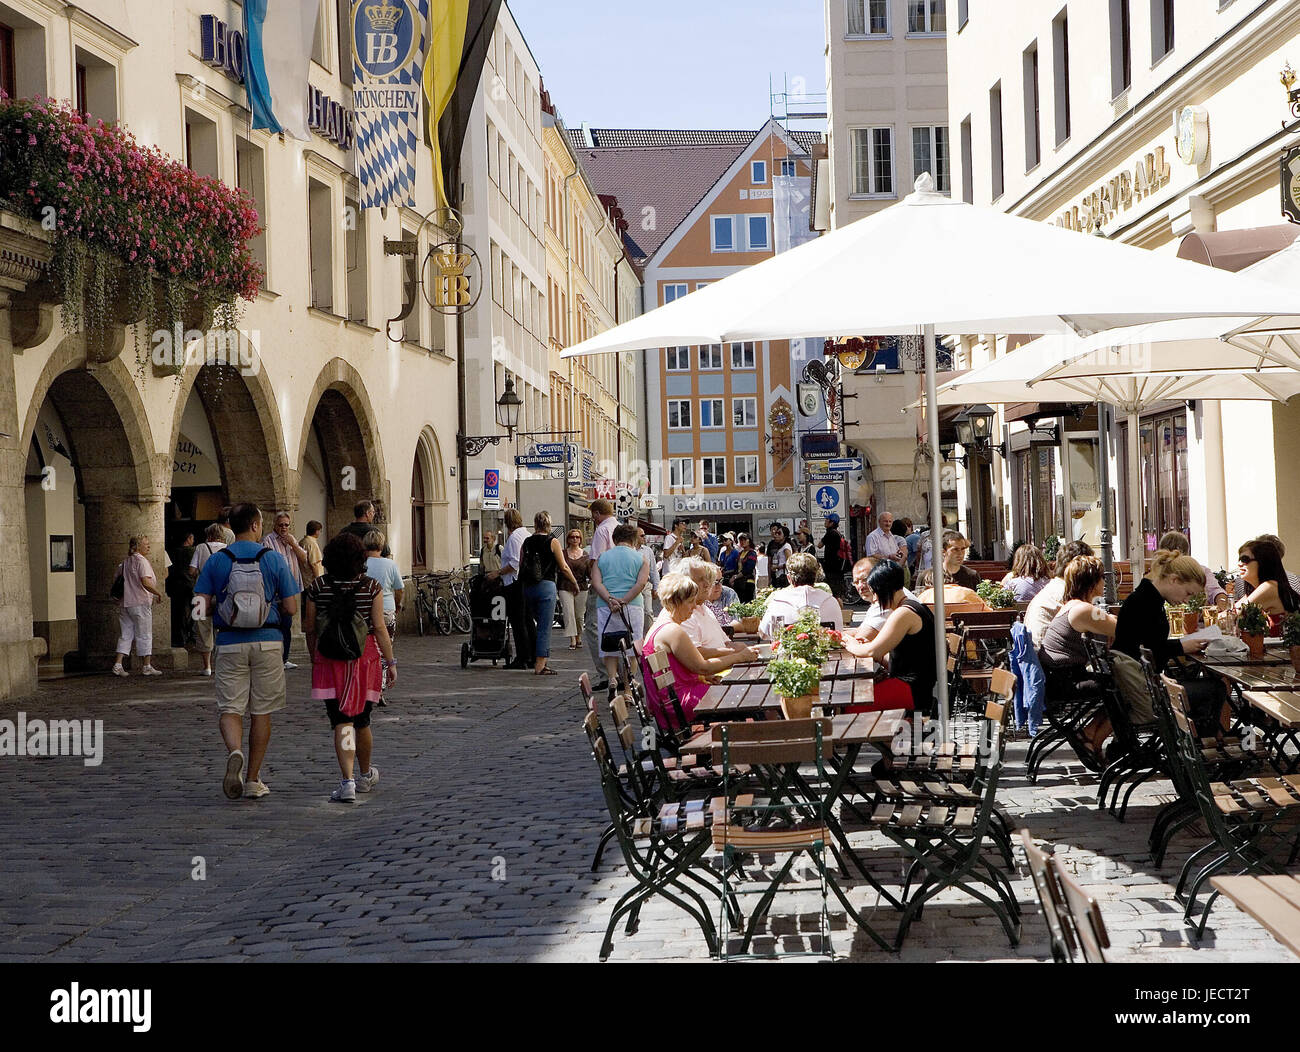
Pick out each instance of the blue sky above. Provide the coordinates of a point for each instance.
(673, 63)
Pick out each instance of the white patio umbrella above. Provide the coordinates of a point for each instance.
(941, 266)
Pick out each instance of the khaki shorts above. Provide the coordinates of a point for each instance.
(250, 677)
(203, 635)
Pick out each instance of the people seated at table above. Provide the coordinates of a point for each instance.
(1239, 588)
(1043, 607)
(1266, 582)
(704, 626)
(1173, 541)
(906, 642)
(955, 547)
(954, 595)
(693, 673)
(1064, 657)
(876, 615)
(786, 604)
(1173, 578)
(1028, 573)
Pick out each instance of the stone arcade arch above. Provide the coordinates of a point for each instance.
(340, 423)
(115, 491)
(428, 493)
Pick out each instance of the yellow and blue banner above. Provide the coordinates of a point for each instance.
(279, 39)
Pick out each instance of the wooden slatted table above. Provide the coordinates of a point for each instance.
(849, 729)
(1259, 675)
(838, 666)
(1273, 901)
(743, 697)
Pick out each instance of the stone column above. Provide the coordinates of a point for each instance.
(23, 255)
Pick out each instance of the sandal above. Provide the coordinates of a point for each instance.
(575, 646)
(546, 672)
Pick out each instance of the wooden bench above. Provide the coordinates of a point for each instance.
(1274, 901)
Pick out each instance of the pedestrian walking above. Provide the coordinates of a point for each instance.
(389, 577)
(311, 545)
(136, 591)
(247, 589)
(709, 539)
(365, 517)
(541, 565)
(214, 541)
(573, 598)
(648, 553)
(618, 581)
(883, 544)
(837, 557)
(223, 520)
(516, 608)
(489, 556)
(295, 556)
(779, 550)
(180, 591)
(351, 658)
(602, 540)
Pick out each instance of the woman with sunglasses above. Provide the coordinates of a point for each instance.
(1266, 582)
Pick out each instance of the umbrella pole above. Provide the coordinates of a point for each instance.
(936, 527)
(1136, 540)
(1103, 487)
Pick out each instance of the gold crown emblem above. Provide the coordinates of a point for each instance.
(384, 16)
(452, 264)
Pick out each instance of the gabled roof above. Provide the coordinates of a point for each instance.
(667, 170)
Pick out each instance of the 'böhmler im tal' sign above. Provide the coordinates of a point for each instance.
(388, 44)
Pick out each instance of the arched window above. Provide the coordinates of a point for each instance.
(419, 514)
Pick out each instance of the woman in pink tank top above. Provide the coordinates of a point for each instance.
(692, 672)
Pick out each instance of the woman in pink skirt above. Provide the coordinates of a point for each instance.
(349, 688)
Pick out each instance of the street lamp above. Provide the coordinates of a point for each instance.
(975, 430)
(508, 407)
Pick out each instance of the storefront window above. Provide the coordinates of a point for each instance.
(1165, 503)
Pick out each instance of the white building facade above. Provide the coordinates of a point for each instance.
(1160, 125)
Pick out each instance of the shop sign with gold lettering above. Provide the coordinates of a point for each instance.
(1119, 193)
(453, 278)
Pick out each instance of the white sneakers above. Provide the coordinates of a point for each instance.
(118, 670)
(233, 783)
(367, 781)
(205, 672)
(289, 664)
(149, 670)
(346, 793)
(255, 790)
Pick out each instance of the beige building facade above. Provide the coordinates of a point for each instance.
(886, 73)
(1160, 125)
(324, 405)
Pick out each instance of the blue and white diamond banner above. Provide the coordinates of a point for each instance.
(388, 46)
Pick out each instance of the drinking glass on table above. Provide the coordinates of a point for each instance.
(778, 623)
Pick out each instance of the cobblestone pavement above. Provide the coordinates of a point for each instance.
(474, 846)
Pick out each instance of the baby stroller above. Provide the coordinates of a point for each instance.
(489, 636)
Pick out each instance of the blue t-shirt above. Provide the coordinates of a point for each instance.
(276, 578)
(913, 542)
(730, 561)
(619, 569)
(385, 571)
(713, 542)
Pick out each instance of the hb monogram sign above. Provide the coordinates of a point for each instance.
(453, 280)
(388, 44)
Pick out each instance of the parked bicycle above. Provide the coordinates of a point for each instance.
(442, 603)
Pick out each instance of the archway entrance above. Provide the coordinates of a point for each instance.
(220, 456)
(337, 467)
(427, 493)
(88, 490)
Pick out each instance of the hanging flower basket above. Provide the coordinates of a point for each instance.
(125, 219)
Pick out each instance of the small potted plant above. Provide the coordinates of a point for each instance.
(1291, 637)
(995, 595)
(797, 682)
(1252, 624)
(749, 614)
(1192, 613)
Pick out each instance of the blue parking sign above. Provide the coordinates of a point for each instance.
(828, 498)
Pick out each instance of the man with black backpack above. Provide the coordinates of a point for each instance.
(246, 588)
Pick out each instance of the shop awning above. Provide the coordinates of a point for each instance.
(1235, 250)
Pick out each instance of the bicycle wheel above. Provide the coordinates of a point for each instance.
(421, 611)
(442, 616)
(460, 615)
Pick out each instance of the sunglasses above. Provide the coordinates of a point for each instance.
(1244, 559)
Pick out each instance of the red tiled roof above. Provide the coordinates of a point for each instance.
(669, 171)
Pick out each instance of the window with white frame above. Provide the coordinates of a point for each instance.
(758, 173)
(926, 16)
(711, 413)
(723, 233)
(681, 473)
(744, 412)
(742, 233)
(711, 356)
(868, 18)
(715, 471)
(788, 167)
(742, 355)
(674, 292)
(759, 230)
(747, 471)
(679, 358)
(873, 161)
(679, 413)
(931, 153)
